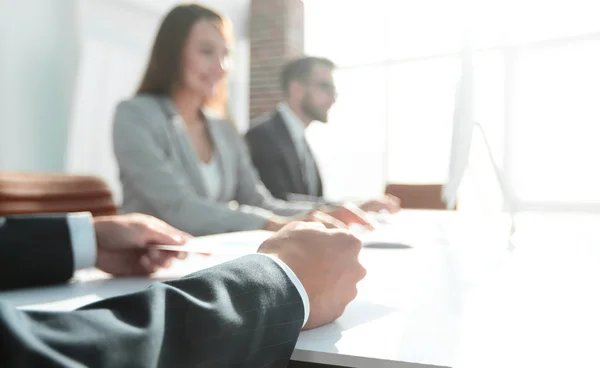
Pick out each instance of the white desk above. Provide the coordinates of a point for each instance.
(421, 306)
(543, 309)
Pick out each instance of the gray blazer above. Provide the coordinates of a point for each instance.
(160, 176)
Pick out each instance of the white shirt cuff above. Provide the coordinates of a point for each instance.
(83, 239)
(292, 276)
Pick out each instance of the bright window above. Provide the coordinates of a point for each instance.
(537, 87)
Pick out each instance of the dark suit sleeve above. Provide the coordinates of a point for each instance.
(267, 164)
(34, 251)
(244, 313)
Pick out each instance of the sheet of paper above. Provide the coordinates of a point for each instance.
(239, 243)
(248, 242)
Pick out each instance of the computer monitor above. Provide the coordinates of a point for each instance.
(462, 136)
(462, 131)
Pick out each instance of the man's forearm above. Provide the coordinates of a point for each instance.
(245, 312)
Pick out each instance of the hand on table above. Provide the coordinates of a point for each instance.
(276, 223)
(350, 214)
(326, 263)
(329, 221)
(388, 203)
(123, 241)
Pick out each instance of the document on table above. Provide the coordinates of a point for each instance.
(247, 242)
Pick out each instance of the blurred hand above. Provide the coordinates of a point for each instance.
(123, 242)
(325, 219)
(350, 214)
(388, 203)
(277, 223)
(325, 261)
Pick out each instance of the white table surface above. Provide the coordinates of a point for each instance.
(450, 300)
(543, 308)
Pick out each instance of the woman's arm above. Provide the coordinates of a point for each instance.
(148, 171)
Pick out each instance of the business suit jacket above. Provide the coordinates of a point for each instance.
(244, 313)
(34, 251)
(275, 157)
(159, 172)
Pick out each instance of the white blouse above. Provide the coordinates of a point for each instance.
(211, 172)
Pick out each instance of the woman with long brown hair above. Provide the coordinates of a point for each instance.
(176, 162)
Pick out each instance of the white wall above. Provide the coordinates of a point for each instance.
(38, 57)
(64, 63)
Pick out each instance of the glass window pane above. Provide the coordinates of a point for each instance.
(354, 33)
(350, 147)
(414, 29)
(517, 21)
(348, 32)
(421, 105)
(556, 123)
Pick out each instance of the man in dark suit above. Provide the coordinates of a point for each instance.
(244, 313)
(277, 143)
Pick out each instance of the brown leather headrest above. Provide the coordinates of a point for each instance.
(50, 186)
(25, 193)
(418, 196)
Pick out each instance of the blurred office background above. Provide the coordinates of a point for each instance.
(65, 63)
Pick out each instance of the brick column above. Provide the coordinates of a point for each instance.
(276, 36)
